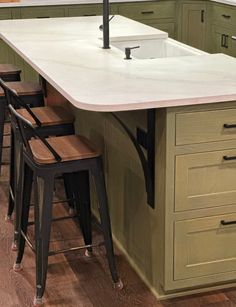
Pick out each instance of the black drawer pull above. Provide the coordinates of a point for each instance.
(202, 16)
(40, 17)
(224, 223)
(229, 126)
(226, 16)
(147, 12)
(222, 40)
(229, 158)
(226, 41)
(89, 15)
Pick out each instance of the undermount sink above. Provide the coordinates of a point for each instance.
(156, 48)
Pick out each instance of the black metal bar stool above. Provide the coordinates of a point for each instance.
(30, 92)
(43, 159)
(50, 121)
(8, 72)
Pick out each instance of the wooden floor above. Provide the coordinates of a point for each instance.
(77, 281)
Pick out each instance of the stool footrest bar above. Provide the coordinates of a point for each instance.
(56, 219)
(71, 249)
(28, 241)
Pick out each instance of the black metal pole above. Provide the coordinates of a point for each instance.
(106, 11)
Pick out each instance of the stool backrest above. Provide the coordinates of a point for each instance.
(26, 129)
(14, 99)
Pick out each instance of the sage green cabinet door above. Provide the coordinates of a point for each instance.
(223, 40)
(223, 14)
(168, 27)
(42, 12)
(194, 24)
(148, 10)
(5, 14)
(203, 247)
(205, 126)
(204, 180)
(85, 10)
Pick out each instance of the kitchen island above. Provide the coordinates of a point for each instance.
(186, 242)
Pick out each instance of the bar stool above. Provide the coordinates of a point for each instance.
(9, 72)
(30, 92)
(43, 159)
(50, 121)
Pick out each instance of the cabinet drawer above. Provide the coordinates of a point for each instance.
(223, 40)
(148, 10)
(42, 12)
(85, 10)
(224, 14)
(205, 180)
(203, 127)
(204, 247)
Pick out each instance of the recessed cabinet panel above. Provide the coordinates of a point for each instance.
(194, 25)
(148, 10)
(5, 14)
(205, 247)
(223, 41)
(206, 126)
(168, 27)
(226, 15)
(85, 10)
(42, 12)
(205, 180)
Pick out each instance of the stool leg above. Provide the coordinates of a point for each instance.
(43, 217)
(18, 196)
(105, 221)
(12, 178)
(26, 191)
(82, 195)
(2, 120)
(68, 182)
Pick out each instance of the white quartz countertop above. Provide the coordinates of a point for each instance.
(67, 53)
(229, 2)
(25, 3)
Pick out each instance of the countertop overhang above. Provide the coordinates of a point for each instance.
(68, 53)
(28, 3)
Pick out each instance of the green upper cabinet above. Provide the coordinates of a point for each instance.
(160, 15)
(193, 24)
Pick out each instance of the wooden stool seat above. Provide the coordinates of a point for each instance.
(48, 116)
(23, 88)
(71, 147)
(8, 69)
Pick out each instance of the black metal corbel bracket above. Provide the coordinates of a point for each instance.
(145, 139)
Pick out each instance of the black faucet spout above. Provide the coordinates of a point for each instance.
(106, 38)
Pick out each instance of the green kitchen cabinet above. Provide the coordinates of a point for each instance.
(168, 27)
(84, 10)
(42, 12)
(223, 29)
(160, 15)
(193, 24)
(5, 54)
(223, 40)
